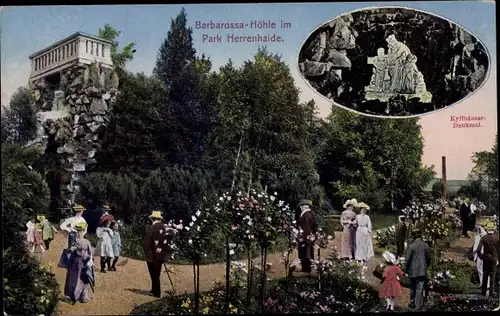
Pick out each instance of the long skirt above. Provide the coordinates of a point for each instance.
(364, 245)
(347, 242)
(75, 287)
(30, 236)
(38, 237)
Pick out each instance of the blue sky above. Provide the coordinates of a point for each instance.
(25, 30)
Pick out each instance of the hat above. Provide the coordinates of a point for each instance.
(305, 202)
(40, 218)
(78, 208)
(352, 202)
(364, 205)
(466, 200)
(81, 226)
(402, 217)
(156, 214)
(490, 226)
(106, 207)
(416, 233)
(389, 257)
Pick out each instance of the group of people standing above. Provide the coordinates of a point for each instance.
(356, 242)
(467, 212)
(39, 233)
(77, 257)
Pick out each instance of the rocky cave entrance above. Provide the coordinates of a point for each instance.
(54, 80)
(53, 179)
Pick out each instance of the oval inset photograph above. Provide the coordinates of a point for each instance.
(393, 62)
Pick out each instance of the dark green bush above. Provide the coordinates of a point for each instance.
(29, 287)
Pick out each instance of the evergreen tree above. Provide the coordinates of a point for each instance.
(187, 111)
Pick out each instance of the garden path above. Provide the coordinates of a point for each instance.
(116, 293)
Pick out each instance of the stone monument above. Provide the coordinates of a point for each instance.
(396, 74)
(74, 85)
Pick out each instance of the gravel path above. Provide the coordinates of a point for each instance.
(116, 293)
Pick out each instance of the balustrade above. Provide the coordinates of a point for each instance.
(78, 48)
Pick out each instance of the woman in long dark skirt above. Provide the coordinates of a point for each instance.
(77, 283)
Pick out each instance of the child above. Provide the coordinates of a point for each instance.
(391, 288)
(47, 231)
(104, 247)
(38, 236)
(116, 240)
(30, 232)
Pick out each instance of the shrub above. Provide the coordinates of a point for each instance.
(29, 287)
(451, 303)
(385, 237)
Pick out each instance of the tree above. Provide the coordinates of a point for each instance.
(119, 56)
(263, 136)
(485, 171)
(24, 195)
(19, 123)
(131, 142)
(377, 161)
(188, 110)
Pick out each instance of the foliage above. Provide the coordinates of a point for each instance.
(24, 194)
(486, 171)
(451, 303)
(119, 56)
(385, 236)
(19, 122)
(373, 158)
(187, 110)
(130, 144)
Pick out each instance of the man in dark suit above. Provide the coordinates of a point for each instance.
(465, 213)
(417, 262)
(489, 254)
(307, 224)
(156, 244)
(401, 231)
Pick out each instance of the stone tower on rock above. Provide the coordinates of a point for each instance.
(74, 85)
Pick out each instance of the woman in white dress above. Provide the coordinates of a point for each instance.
(480, 232)
(348, 222)
(104, 247)
(364, 245)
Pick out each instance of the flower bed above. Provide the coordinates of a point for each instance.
(451, 303)
(343, 289)
(448, 277)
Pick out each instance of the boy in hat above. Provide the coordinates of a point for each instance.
(69, 223)
(105, 215)
(307, 224)
(156, 243)
(489, 244)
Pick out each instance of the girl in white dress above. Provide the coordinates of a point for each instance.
(364, 246)
(104, 247)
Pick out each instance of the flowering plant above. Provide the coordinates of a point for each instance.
(435, 229)
(385, 236)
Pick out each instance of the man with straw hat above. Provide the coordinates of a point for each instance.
(156, 245)
(418, 261)
(307, 224)
(489, 254)
(465, 213)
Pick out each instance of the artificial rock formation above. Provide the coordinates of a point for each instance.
(74, 112)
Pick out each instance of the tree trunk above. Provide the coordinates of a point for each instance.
(236, 162)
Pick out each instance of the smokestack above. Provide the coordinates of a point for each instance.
(443, 177)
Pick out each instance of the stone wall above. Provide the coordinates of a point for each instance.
(73, 113)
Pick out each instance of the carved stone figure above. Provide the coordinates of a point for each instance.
(58, 103)
(396, 74)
